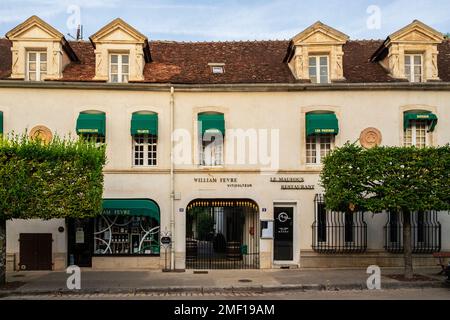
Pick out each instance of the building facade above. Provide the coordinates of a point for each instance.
(246, 125)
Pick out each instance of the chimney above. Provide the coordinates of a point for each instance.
(79, 32)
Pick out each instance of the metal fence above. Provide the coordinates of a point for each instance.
(222, 234)
(337, 232)
(425, 232)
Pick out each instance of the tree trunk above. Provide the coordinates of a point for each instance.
(2, 252)
(407, 245)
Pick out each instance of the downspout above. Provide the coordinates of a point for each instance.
(172, 180)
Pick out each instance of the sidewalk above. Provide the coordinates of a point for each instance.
(260, 281)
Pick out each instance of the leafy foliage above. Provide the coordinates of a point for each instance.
(387, 178)
(59, 179)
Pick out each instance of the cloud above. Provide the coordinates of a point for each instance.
(20, 10)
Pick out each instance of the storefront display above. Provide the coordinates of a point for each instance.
(126, 235)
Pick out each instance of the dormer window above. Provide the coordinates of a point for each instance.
(217, 68)
(318, 69)
(411, 53)
(414, 67)
(316, 54)
(36, 65)
(121, 53)
(119, 68)
(39, 51)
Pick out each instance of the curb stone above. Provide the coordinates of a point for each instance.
(226, 290)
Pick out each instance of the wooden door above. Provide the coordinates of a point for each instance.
(36, 251)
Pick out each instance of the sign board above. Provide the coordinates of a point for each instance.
(166, 241)
(79, 236)
(266, 229)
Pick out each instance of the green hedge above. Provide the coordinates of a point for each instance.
(386, 178)
(56, 180)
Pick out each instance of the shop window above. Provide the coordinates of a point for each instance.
(126, 235)
(145, 150)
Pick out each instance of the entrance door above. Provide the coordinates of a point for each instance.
(284, 233)
(222, 234)
(35, 251)
(80, 242)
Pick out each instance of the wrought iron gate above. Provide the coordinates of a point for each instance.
(222, 234)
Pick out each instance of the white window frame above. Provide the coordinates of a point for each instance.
(413, 127)
(317, 58)
(38, 64)
(120, 65)
(217, 154)
(412, 66)
(218, 69)
(150, 145)
(318, 150)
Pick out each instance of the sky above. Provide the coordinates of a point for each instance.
(226, 20)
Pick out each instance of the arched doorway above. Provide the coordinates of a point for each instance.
(222, 234)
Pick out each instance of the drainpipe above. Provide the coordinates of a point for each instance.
(172, 180)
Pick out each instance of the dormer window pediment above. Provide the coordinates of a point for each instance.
(120, 52)
(316, 54)
(36, 44)
(411, 53)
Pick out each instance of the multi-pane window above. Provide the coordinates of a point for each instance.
(413, 67)
(94, 137)
(119, 68)
(416, 134)
(211, 153)
(318, 147)
(318, 69)
(36, 65)
(144, 150)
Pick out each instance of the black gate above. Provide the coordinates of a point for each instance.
(425, 232)
(222, 234)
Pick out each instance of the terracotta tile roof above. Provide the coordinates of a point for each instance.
(245, 62)
(5, 58)
(358, 68)
(85, 69)
(444, 60)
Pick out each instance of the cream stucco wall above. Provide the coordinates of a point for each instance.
(58, 109)
(59, 245)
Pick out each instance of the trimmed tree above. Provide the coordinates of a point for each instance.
(60, 179)
(403, 180)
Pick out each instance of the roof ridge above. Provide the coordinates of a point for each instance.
(219, 41)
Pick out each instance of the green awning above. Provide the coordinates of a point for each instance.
(410, 116)
(91, 123)
(210, 122)
(144, 124)
(139, 208)
(1, 122)
(321, 123)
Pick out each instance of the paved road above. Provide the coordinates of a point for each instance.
(401, 294)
